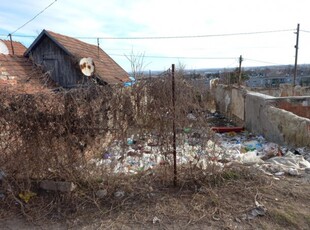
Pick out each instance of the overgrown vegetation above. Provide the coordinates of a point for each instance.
(55, 135)
(60, 136)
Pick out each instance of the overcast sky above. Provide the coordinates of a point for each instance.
(164, 18)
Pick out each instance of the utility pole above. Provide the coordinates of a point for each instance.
(240, 72)
(296, 55)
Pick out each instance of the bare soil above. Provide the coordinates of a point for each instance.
(150, 201)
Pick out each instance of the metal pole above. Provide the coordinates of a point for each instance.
(173, 127)
(240, 62)
(296, 55)
(98, 46)
(10, 35)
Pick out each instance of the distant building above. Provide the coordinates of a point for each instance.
(12, 48)
(18, 74)
(274, 82)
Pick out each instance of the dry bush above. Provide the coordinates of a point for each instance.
(54, 135)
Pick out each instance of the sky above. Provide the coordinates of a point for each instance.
(206, 34)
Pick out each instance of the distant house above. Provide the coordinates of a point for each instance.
(60, 55)
(17, 73)
(13, 48)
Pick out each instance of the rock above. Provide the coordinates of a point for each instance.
(293, 172)
(61, 186)
(119, 194)
(101, 193)
(2, 175)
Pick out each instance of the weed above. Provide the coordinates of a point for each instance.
(284, 218)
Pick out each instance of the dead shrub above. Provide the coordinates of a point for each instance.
(54, 135)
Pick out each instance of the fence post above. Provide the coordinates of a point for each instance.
(173, 127)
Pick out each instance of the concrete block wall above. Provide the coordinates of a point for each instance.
(260, 115)
(256, 117)
(293, 130)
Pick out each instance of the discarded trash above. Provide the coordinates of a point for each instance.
(271, 150)
(227, 129)
(279, 174)
(26, 196)
(258, 211)
(191, 116)
(250, 158)
(131, 82)
(106, 155)
(129, 141)
(252, 145)
(228, 145)
(155, 220)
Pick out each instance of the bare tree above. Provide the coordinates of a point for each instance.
(137, 64)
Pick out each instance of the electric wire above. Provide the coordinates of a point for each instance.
(161, 37)
(187, 36)
(178, 57)
(260, 61)
(306, 31)
(34, 17)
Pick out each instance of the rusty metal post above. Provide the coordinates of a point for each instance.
(173, 127)
(240, 71)
(10, 35)
(296, 56)
(98, 44)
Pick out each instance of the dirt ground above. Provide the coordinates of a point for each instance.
(237, 198)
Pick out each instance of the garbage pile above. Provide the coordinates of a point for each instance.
(140, 154)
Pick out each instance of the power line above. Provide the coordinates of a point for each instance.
(180, 57)
(188, 36)
(34, 17)
(159, 37)
(306, 31)
(24, 36)
(255, 60)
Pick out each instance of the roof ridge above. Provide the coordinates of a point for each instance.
(78, 40)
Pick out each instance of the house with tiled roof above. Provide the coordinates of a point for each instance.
(18, 74)
(12, 47)
(61, 56)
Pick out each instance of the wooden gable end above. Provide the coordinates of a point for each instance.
(62, 67)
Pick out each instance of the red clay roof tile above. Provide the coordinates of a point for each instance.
(18, 74)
